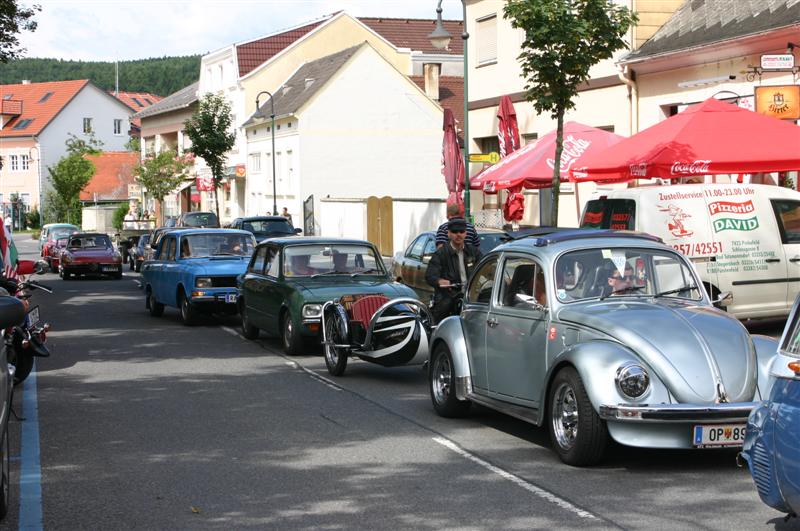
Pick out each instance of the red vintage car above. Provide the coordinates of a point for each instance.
(90, 254)
(50, 250)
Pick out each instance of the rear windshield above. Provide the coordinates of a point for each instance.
(90, 242)
(201, 219)
(268, 226)
(610, 214)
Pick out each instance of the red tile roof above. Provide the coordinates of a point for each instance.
(113, 174)
(413, 33)
(37, 108)
(254, 53)
(137, 101)
(451, 95)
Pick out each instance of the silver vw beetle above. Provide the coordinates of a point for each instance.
(598, 334)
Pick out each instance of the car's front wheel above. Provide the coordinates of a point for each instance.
(292, 342)
(249, 331)
(441, 380)
(155, 307)
(577, 432)
(189, 313)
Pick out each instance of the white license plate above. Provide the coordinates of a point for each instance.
(33, 316)
(230, 297)
(711, 435)
(109, 268)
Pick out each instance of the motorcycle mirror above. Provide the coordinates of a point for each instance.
(42, 267)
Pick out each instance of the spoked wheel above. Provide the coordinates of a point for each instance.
(335, 357)
(578, 434)
(441, 379)
(5, 474)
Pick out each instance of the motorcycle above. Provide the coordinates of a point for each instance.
(26, 340)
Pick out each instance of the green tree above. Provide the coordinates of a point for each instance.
(161, 174)
(563, 40)
(212, 136)
(13, 20)
(70, 175)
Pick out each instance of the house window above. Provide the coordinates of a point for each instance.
(87, 126)
(14, 160)
(486, 40)
(489, 144)
(24, 161)
(255, 163)
(25, 198)
(529, 138)
(117, 126)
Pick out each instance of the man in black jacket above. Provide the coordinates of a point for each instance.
(451, 264)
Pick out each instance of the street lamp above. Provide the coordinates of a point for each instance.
(39, 179)
(440, 38)
(272, 128)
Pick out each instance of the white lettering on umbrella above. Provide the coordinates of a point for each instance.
(690, 168)
(572, 149)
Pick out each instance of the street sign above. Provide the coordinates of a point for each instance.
(777, 61)
(486, 158)
(134, 190)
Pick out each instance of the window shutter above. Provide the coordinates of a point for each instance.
(487, 40)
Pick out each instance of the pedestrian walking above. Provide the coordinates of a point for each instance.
(288, 216)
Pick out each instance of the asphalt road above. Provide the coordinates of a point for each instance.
(146, 423)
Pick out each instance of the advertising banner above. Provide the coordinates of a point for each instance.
(780, 101)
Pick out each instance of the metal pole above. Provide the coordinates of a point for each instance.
(274, 177)
(464, 38)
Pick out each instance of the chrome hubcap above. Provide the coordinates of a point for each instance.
(441, 379)
(565, 416)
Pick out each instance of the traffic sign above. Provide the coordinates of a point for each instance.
(486, 158)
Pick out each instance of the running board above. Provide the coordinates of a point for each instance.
(523, 413)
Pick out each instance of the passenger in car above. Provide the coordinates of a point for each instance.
(298, 266)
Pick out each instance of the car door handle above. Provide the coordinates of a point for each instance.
(795, 259)
(772, 260)
(492, 322)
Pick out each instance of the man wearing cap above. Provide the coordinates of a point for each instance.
(451, 264)
(453, 211)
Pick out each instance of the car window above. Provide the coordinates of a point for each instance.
(788, 215)
(610, 214)
(268, 226)
(333, 258)
(217, 244)
(168, 249)
(200, 219)
(258, 261)
(91, 242)
(430, 247)
(273, 264)
(415, 249)
(523, 284)
(490, 240)
(480, 285)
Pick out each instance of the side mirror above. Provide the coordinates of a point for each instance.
(298, 231)
(723, 298)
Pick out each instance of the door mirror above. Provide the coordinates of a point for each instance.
(298, 230)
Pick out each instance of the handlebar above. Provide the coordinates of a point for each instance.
(32, 284)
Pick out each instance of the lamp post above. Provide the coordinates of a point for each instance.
(272, 129)
(39, 180)
(440, 38)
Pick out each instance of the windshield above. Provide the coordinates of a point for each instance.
(62, 233)
(90, 242)
(264, 226)
(200, 219)
(490, 240)
(216, 244)
(619, 272)
(352, 259)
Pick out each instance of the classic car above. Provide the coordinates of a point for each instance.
(771, 442)
(155, 240)
(137, 252)
(264, 227)
(602, 335)
(90, 253)
(54, 250)
(51, 250)
(48, 230)
(195, 271)
(289, 279)
(204, 220)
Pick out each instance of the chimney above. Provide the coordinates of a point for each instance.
(431, 73)
(285, 89)
(26, 81)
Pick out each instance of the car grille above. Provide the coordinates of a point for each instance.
(223, 282)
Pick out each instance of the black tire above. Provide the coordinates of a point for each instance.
(441, 384)
(22, 363)
(248, 330)
(579, 436)
(5, 474)
(335, 358)
(189, 314)
(155, 307)
(290, 338)
(117, 276)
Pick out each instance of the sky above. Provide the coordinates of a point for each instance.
(108, 30)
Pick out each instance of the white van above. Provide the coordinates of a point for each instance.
(743, 238)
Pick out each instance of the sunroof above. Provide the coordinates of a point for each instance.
(22, 124)
(137, 102)
(45, 97)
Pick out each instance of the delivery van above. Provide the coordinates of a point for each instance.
(742, 238)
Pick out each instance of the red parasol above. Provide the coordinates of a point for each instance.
(452, 161)
(507, 130)
(532, 166)
(708, 138)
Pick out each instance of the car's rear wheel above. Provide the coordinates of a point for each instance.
(5, 474)
(249, 331)
(155, 307)
(578, 434)
(335, 357)
(189, 313)
(441, 380)
(292, 342)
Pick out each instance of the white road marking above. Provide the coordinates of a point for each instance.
(230, 331)
(538, 491)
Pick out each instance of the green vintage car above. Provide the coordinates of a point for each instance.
(289, 279)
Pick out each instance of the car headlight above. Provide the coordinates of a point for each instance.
(312, 311)
(632, 380)
(202, 282)
(117, 257)
(66, 258)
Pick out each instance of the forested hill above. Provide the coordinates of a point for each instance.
(160, 76)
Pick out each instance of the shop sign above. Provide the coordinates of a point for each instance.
(777, 61)
(205, 183)
(780, 101)
(241, 171)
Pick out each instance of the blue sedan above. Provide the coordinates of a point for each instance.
(195, 271)
(772, 442)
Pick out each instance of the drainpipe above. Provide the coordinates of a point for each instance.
(627, 77)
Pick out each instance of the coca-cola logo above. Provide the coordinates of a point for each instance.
(638, 170)
(697, 167)
(572, 149)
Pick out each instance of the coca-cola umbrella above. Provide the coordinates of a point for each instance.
(508, 139)
(532, 166)
(711, 137)
(452, 161)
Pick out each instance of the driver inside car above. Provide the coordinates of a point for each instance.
(298, 265)
(618, 282)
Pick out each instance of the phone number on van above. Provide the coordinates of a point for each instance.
(699, 248)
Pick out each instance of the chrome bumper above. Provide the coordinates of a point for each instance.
(718, 413)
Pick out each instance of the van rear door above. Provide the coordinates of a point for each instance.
(787, 214)
(605, 213)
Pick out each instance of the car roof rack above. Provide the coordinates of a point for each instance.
(562, 234)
